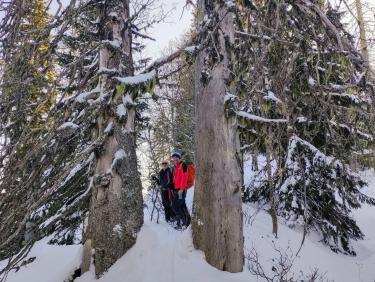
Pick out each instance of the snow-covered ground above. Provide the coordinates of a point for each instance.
(163, 254)
(52, 264)
(335, 267)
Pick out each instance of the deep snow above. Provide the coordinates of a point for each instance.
(163, 254)
(52, 264)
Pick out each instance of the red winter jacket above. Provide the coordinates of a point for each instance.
(180, 177)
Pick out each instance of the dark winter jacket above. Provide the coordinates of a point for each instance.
(166, 178)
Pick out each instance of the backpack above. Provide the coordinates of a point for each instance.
(191, 174)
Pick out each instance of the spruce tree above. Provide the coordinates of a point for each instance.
(51, 187)
(27, 95)
(306, 102)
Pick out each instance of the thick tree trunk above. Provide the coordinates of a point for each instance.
(362, 33)
(116, 208)
(217, 221)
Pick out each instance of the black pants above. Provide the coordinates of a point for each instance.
(180, 208)
(167, 204)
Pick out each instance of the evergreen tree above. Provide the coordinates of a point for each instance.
(27, 95)
(99, 100)
(27, 89)
(306, 103)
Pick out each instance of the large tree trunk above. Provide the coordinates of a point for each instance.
(116, 208)
(217, 221)
(362, 33)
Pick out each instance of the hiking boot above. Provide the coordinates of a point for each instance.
(188, 220)
(178, 227)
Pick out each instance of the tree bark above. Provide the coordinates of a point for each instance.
(217, 214)
(362, 33)
(116, 208)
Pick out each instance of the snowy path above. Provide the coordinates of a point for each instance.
(163, 254)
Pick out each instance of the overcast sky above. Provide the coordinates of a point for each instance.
(175, 26)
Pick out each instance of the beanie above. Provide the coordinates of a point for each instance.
(176, 154)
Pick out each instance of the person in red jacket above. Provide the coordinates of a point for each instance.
(180, 177)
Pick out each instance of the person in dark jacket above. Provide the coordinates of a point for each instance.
(180, 178)
(166, 184)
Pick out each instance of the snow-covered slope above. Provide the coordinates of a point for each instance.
(335, 267)
(52, 264)
(163, 254)
(314, 254)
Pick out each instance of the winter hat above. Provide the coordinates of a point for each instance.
(187, 158)
(176, 154)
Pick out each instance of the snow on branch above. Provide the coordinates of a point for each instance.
(230, 97)
(83, 97)
(319, 156)
(113, 15)
(118, 156)
(127, 100)
(108, 71)
(93, 64)
(353, 130)
(188, 47)
(192, 49)
(365, 135)
(73, 173)
(271, 96)
(109, 128)
(121, 111)
(137, 79)
(353, 98)
(301, 119)
(67, 126)
(113, 43)
(259, 119)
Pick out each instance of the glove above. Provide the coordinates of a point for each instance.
(156, 179)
